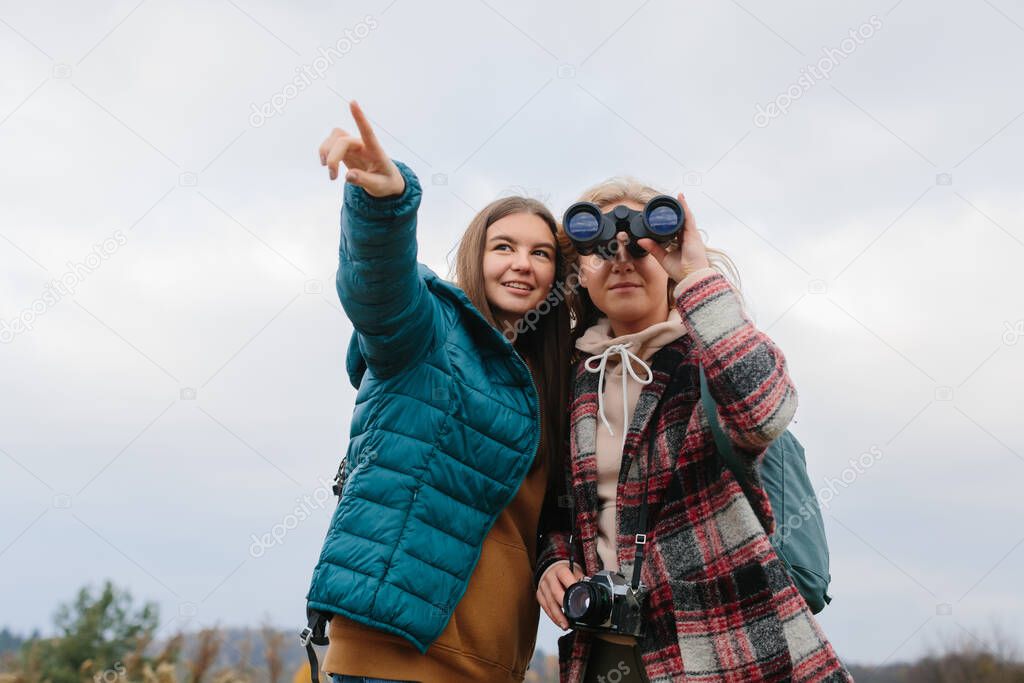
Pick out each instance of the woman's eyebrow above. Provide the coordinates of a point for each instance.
(507, 238)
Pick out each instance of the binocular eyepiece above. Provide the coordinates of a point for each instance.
(594, 232)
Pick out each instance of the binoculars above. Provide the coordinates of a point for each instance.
(592, 231)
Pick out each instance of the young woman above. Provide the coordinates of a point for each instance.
(426, 573)
(720, 604)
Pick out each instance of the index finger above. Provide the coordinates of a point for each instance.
(687, 213)
(365, 129)
(564, 576)
(659, 252)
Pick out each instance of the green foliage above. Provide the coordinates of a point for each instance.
(95, 633)
(9, 642)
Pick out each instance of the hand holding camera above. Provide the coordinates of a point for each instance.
(551, 590)
(368, 164)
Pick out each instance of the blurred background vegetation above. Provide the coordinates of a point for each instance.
(102, 636)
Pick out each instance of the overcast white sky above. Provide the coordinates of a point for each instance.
(191, 391)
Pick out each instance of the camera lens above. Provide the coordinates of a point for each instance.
(586, 602)
(578, 600)
(664, 216)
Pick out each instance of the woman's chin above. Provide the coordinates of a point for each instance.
(517, 307)
(521, 309)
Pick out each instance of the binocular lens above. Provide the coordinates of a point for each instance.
(593, 231)
(582, 225)
(664, 220)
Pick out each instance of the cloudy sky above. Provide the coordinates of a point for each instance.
(172, 346)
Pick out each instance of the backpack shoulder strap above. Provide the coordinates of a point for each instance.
(721, 440)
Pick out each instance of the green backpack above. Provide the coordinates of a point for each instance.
(799, 538)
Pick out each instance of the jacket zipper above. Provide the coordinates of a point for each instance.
(533, 385)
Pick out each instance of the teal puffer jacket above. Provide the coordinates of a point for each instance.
(446, 426)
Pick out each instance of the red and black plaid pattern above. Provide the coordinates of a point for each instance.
(721, 606)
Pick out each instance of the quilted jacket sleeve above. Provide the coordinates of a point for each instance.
(380, 288)
(746, 371)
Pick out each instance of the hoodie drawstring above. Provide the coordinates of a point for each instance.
(627, 357)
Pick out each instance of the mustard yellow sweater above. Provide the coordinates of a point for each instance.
(491, 634)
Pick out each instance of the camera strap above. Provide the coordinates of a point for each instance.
(641, 535)
(567, 500)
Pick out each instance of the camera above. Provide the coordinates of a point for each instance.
(605, 602)
(593, 231)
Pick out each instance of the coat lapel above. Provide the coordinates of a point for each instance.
(583, 465)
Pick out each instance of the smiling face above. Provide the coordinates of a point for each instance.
(630, 291)
(518, 265)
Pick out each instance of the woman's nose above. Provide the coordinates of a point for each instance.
(521, 261)
(622, 255)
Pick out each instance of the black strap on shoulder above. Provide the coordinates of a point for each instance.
(641, 534)
(573, 536)
(314, 634)
(722, 444)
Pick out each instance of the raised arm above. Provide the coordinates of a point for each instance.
(378, 281)
(746, 371)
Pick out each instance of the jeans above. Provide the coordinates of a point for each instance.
(341, 678)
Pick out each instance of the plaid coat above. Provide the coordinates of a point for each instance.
(721, 606)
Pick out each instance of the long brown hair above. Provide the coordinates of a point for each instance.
(543, 341)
